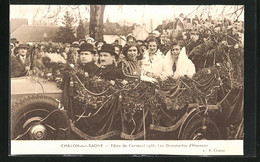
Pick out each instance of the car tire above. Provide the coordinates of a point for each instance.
(195, 131)
(39, 117)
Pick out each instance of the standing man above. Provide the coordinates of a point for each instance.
(20, 64)
(108, 69)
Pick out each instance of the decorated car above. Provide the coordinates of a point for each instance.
(75, 106)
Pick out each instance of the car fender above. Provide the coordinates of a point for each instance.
(196, 109)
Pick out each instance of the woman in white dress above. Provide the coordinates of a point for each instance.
(152, 63)
(177, 63)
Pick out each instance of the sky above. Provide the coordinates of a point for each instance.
(151, 15)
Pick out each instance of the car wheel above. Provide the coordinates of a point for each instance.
(39, 118)
(196, 131)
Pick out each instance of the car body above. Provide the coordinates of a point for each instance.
(24, 89)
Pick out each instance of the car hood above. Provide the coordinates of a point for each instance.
(32, 85)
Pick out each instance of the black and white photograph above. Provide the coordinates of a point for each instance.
(127, 79)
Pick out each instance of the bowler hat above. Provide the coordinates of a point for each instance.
(104, 42)
(109, 48)
(86, 47)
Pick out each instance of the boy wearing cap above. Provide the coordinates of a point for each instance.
(108, 69)
(86, 56)
(20, 64)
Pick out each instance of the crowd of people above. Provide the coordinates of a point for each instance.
(161, 55)
(109, 61)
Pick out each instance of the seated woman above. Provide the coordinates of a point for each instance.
(177, 63)
(130, 64)
(152, 63)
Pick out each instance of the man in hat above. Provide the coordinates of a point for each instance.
(108, 69)
(20, 64)
(86, 56)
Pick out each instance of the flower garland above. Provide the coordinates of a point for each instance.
(135, 95)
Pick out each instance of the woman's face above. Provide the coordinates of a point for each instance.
(117, 50)
(96, 57)
(152, 47)
(175, 51)
(132, 53)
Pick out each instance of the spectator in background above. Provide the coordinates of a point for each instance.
(118, 50)
(90, 40)
(81, 41)
(142, 49)
(96, 59)
(20, 64)
(66, 51)
(11, 49)
(14, 41)
(130, 38)
(116, 42)
(164, 47)
(99, 44)
(74, 49)
(139, 42)
(179, 25)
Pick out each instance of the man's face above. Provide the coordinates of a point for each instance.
(152, 47)
(22, 51)
(175, 51)
(86, 56)
(106, 58)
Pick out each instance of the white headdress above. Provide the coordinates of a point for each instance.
(184, 65)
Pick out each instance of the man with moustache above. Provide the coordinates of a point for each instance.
(108, 69)
(20, 64)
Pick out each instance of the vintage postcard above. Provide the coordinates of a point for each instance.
(127, 79)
